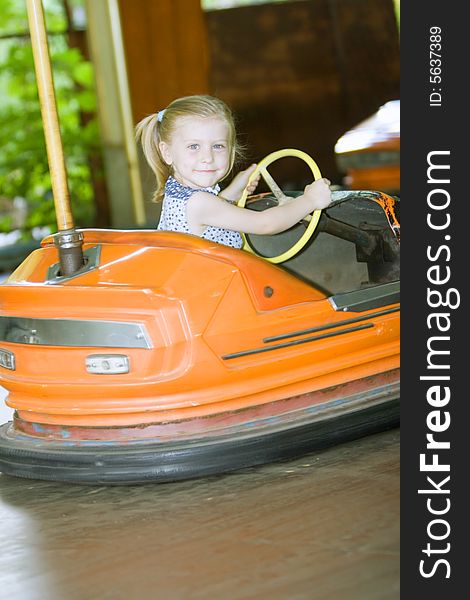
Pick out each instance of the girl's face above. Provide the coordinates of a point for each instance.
(198, 151)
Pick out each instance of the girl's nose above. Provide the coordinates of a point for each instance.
(206, 155)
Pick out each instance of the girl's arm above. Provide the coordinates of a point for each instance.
(206, 209)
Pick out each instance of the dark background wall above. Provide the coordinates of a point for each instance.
(297, 74)
(167, 54)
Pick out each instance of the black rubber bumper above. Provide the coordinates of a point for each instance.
(153, 461)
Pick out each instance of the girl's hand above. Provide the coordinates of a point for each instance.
(236, 188)
(319, 193)
(250, 187)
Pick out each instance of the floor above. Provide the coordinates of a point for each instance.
(325, 526)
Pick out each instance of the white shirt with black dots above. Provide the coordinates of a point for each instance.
(173, 215)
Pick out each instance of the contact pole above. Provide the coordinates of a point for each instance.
(68, 241)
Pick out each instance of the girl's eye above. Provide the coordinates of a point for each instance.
(219, 146)
(193, 146)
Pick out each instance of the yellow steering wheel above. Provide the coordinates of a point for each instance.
(262, 169)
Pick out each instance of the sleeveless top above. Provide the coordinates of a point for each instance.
(173, 215)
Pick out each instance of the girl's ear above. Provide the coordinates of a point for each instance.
(165, 152)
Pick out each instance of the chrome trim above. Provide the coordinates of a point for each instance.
(92, 261)
(68, 239)
(368, 298)
(7, 359)
(107, 364)
(74, 332)
(284, 336)
(297, 342)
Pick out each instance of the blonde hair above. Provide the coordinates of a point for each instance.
(159, 127)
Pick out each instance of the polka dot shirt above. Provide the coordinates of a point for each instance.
(173, 216)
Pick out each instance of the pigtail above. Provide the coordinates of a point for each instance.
(147, 132)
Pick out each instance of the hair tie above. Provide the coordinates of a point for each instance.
(160, 114)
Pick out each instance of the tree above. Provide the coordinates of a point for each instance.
(24, 171)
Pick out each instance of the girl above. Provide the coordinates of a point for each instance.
(191, 146)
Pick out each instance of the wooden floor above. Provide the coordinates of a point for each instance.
(325, 527)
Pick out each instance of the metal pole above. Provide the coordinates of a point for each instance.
(68, 241)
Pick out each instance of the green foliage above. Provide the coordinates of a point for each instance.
(24, 170)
